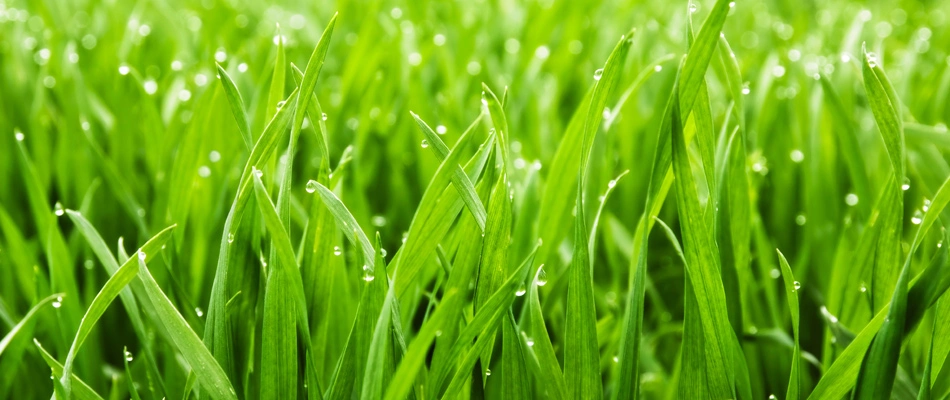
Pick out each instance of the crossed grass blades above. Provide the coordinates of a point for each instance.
(703, 220)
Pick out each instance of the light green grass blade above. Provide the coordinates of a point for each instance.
(237, 105)
(81, 390)
(791, 290)
(514, 374)
(460, 180)
(207, 370)
(26, 319)
(116, 283)
(404, 377)
(275, 93)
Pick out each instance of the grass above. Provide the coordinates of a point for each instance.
(478, 199)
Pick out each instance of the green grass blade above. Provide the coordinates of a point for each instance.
(207, 370)
(26, 319)
(237, 106)
(116, 283)
(791, 290)
(81, 390)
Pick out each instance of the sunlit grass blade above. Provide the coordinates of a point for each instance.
(27, 318)
(791, 290)
(81, 390)
(116, 283)
(207, 370)
(237, 106)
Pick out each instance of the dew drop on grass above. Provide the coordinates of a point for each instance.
(142, 255)
(324, 116)
(280, 104)
(906, 185)
(124, 69)
(917, 217)
(800, 219)
(199, 312)
(425, 143)
(150, 86)
(863, 288)
(438, 333)
(745, 88)
(851, 199)
(383, 252)
(368, 274)
(231, 237)
(58, 302)
(378, 220)
(19, 136)
(693, 7)
(542, 277)
(926, 205)
(311, 186)
(598, 74)
(530, 342)
(487, 372)
(337, 251)
(772, 397)
(521, 290)
(797, 156)
(258, 173)
(612, 183)
(128, 356)
(775, 273)
(58, 209)
(441, 129)
(796, 285)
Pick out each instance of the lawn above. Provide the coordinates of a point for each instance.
(498, 199)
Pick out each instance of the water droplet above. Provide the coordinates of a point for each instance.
(199, 312)
(851, 199)
(141, 255)
(612, 183)
(658, 68)
(378, 220)
(150, 86)
(926, 205)
(242, 67)
(19, 136)
(693, 7)
(863, 288)
(906, 185)
(311, 186)
(530, 342)
(541, 278)
(441, 129)
(280, 104)
(745, 88)
(124, 69)
(383, 252)
(368, 274)
(772, 397)
(796, 285)
(58, 302)
(732, 4)
(337, 251)
(521, 290)
(598, 73)
(487, 371)
(438, 333)
(425, 143)
(58, 209)
(797, 156)
(800, 219)
(775, 273)
(128, 356)
(616, 359)
(258, 173)
(917, 217)
(230, 237)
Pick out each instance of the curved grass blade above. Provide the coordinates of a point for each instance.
(460, 179)
(237, 106)
(116, 283)
(207, 370)
(81, 390)
(26, 319)
(791, 290)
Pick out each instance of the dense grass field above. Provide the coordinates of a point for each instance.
(493, 199)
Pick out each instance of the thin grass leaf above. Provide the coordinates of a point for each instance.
(116, 283)
(27, 318)
(237, 106)
(81, 390)
(207, 370)
(791, 290)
